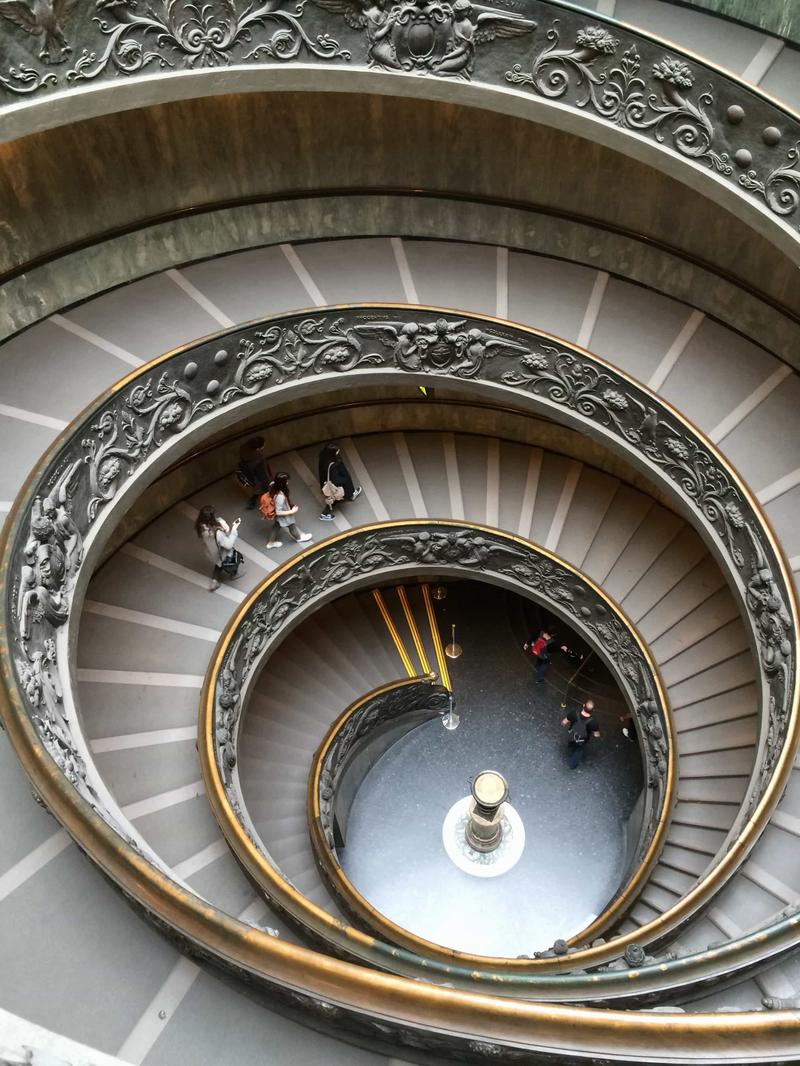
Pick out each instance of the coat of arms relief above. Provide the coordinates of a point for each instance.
(427, 36)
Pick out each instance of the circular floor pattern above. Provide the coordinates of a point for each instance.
(482, 863)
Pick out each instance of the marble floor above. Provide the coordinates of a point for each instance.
(574, 819)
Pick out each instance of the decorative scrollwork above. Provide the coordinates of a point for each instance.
(127, 433)
(277, 355)
(780, 188)
(596, 393)
(613, 73)
(620, 94)
(189, 34)
(23, 79)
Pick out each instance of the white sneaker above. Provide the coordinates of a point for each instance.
(275, 544)
(356, 493)
(305, 536)
(213, 586)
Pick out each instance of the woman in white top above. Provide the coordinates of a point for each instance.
(218, 540)
(285, 511)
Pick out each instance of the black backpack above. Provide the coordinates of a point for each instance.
(579, 732)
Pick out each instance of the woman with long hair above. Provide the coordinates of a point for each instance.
(219, 541)
(285, 511)
(333, 473)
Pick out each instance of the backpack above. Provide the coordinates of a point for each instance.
(579, 731)
(539, 648)
(266, 506)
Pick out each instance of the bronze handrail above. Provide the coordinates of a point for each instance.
(227, 682)
(353, 988)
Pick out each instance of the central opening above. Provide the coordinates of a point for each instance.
(577, 812)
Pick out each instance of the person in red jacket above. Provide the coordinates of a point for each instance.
(540, 650)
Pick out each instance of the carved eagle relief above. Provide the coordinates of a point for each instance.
(42, 18)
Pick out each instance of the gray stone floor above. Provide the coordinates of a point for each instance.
(574, 820)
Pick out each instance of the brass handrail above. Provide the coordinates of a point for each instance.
(354, 988)
(228, 810)
(441, 659)
(411, 623)
(405, 658)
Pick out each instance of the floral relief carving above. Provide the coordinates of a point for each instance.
(23, 79)
(126, 434)
(596, 393)
(186, 34)
(781, 187)
(610, 71)
(620, 92)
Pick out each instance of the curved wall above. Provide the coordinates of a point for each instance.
(74, 185)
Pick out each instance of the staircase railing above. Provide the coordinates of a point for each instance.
(544, 59)
(399, 551)
(89, 477)
(351, 746)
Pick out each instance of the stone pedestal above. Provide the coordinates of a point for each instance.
(484, 829)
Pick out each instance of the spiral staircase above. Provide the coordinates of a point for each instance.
(168, 198)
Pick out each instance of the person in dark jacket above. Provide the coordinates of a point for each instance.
(331, 468)
(582, 727)
(540, 649)
(253, 470)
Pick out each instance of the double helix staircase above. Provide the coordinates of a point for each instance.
(642, 555)
(149, 623)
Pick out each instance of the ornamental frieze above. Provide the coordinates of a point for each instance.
(532, 47)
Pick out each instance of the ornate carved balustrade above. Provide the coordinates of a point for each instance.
(402, 550)
(91, 475)
(373, 724)
(538, 57)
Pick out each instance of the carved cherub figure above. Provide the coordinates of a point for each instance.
(402, 338)
(370, 16)
(475, 347)
(53, 553)
(770, 612)
(474, 25)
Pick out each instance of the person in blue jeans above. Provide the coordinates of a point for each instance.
(582, 727)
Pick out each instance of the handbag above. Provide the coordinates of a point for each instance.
(231, 562)
(332, 493)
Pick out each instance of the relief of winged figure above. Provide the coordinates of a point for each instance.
(53, 554)
(42, 18)
(442, 346)
(436, 36)
(473, 25)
